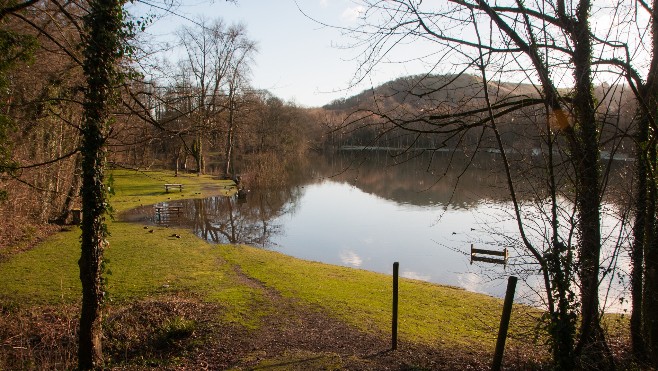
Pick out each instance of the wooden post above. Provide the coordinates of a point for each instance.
(394, 336)
(504, 324)
(471, 254)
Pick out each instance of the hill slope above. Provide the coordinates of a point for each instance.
(421, 91)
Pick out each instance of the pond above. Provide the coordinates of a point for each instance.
(368, 211)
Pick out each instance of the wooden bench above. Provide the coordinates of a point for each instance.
(477, 255)
(172, 185)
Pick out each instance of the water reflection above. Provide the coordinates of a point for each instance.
(222, 219)
(427, 180)
(370, 211)
(350, 258)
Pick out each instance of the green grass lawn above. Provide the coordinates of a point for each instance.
(428, 313)
(141, 264)
(131, 188)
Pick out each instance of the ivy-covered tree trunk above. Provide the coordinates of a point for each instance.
(103, 49)
(644, 254)
(650, 305)
(649, 302)
(642, 227)
(592, 346)
(650, 289)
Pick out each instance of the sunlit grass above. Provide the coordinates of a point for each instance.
(47, 274)
(139, 263)
(132, 188)
(167, 260)
(428, 313)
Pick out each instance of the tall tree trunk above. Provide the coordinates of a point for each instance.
(650, 307)
(644, 276)
(650, 290)
(641, 229)
(650, 304)
(229, 139)
(102, 51)
(73, 192)
(179, 149)
(591, 343)
(197, 153)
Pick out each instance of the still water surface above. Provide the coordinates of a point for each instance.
(367, 214)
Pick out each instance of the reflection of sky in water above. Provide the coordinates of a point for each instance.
(350, 258)
(337, 223)
(469, 280)
(415, 276)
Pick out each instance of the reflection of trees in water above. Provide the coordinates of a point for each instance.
(453, 179)
(222, 219)
(419, 179)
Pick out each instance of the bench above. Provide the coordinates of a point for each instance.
(172, 185)
(482, 255)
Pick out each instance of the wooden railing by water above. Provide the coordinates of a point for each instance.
(484, 255)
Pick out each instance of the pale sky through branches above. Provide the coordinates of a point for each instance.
(302, 60)
(299, 59)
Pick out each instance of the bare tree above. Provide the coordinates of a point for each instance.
(215, 68)
(551, 45)
(42, 98)
(237, 82)
(644, 254)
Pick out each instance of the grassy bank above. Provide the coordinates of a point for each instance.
(243, 285)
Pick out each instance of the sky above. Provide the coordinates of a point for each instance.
(299, 59)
